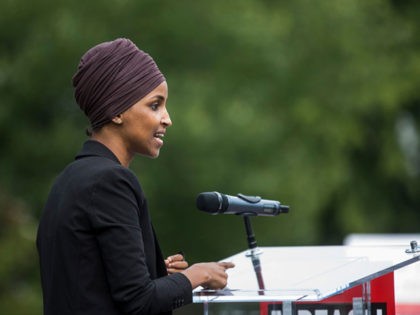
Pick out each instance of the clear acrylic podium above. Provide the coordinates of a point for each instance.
(313, 280)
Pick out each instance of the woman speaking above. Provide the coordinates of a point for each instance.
(97, 247)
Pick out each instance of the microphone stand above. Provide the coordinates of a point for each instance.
(253, 253)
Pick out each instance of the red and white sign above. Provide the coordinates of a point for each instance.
(407, 279)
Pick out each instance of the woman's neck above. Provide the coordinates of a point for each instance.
(113, 143)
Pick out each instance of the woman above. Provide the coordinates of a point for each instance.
(97, 247)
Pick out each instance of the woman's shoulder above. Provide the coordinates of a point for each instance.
(103, 167)
(96, 170)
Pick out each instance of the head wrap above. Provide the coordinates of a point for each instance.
(111, 77)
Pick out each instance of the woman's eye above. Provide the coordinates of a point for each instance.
(154, 106)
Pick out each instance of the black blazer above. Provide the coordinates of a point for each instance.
(97, 248)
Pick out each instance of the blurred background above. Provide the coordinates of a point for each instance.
(313, 103)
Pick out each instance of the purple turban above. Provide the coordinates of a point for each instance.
(112, 77)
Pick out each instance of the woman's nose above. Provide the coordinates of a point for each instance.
(166, 119)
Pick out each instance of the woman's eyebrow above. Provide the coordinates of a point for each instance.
(159, 97)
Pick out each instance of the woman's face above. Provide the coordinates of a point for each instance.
(144, 124)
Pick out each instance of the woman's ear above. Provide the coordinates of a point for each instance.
(117, 120)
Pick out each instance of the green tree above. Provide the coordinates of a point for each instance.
(315, 104)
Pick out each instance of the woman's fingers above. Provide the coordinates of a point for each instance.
(176, 257)
(175, 263)
(226, 264)
(178, 265)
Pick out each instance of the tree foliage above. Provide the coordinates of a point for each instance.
(313, 103)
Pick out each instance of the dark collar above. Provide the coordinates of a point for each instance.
(95, 148)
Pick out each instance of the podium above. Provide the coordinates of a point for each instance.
(310, 280)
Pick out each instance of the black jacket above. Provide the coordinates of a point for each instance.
(97, 248)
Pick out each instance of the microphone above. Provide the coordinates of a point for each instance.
(217, 203)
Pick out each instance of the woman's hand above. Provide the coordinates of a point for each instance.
(218, 275)
(175, 263)
(211, 275)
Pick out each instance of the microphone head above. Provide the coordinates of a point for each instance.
(211, 202)
(284, 209)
